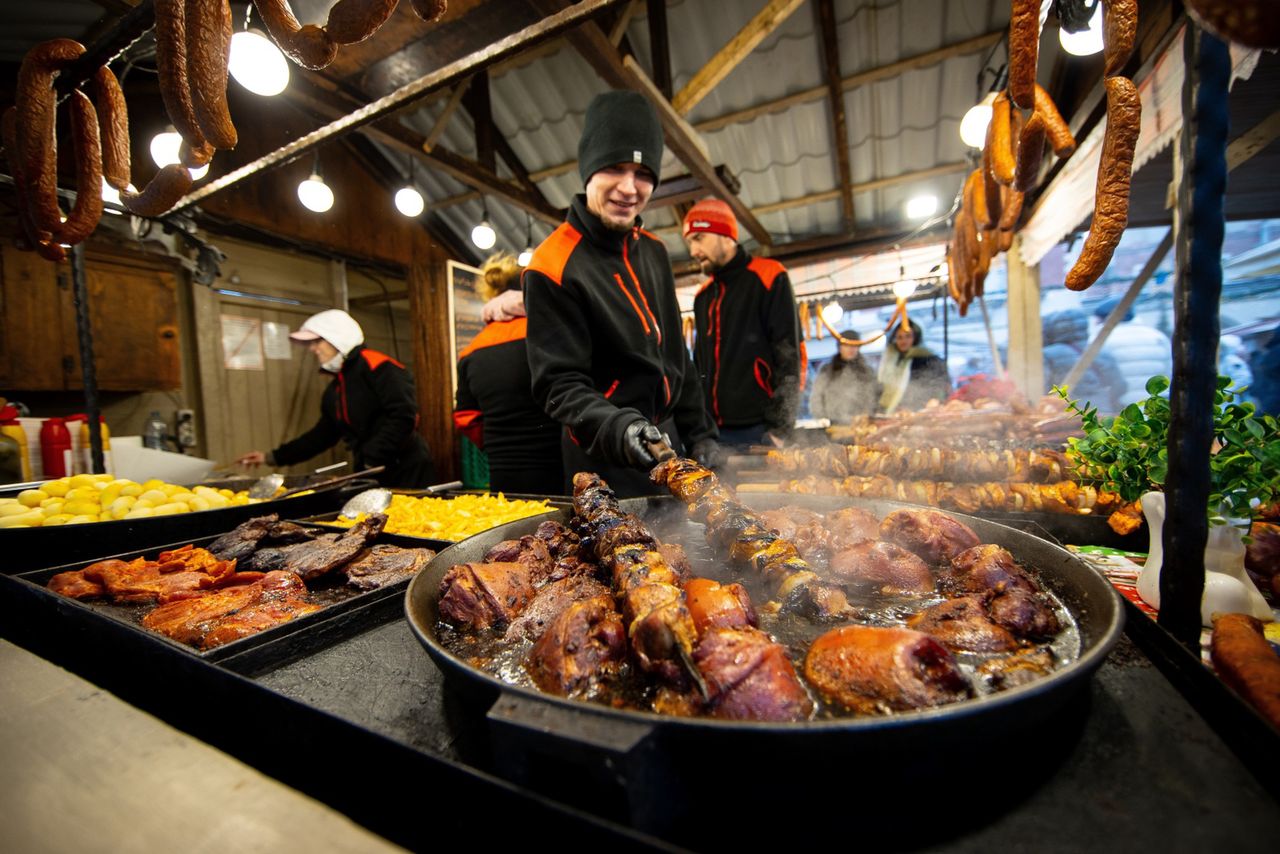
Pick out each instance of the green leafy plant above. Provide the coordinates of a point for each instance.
(1129, 454)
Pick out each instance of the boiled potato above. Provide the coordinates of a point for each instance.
(32, 497)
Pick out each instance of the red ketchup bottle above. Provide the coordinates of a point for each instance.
(55, 448)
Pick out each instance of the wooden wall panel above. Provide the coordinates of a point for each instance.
(433, 358)
(30, 322)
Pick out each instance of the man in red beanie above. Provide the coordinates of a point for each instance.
(748, 347)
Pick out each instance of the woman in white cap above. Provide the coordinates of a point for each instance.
(370, 404)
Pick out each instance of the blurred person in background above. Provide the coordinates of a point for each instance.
(1265, 366)
(370, 404)
(1139, 352)
(1066, 335)
(846, 386)
(748, 350)
(910, 374)
(1233, 361)
(495, 407)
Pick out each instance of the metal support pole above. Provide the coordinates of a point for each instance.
(88, 368)
(1198, 228)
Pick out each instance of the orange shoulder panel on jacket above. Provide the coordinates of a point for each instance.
(705, 285)
(767, 269)
(552, 254)
(649, 234)
(373, 359)
(498, 332)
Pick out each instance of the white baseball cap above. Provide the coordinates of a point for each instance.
(335, 326)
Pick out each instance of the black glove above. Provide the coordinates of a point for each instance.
(635, 443)
(708, 453)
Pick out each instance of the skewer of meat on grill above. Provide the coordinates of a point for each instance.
(742, 532)
(928, 463)
(705, 630)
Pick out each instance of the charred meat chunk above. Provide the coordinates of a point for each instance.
(962, 625)
(985, 567)
(851, 525)
(242, 540)
(934, 536)
(804, 528)
(549, 602)
(874, 670)
(715, 605)
(314, 558)
(383, 565)
(749, 677)
(476, 596)
(1026, 615)
(584, 645)
(884, 566)
(1020, 668)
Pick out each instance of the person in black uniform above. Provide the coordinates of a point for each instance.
(495, 407)
(369, 404)
(748, 344)
(605, 350)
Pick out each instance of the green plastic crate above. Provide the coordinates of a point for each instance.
(475, 466)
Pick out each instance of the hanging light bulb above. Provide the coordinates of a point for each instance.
(904, 289)
(409, 201)
(922, 206)
(314, 193)
(198, 172)
(111, 195)
(483, 235)
(526, 256)
(257, 64)
(832, 312)
(973, 127)
(164, 147)
(1086, 42)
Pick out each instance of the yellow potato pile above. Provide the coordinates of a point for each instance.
(102, 498)
(453, 518)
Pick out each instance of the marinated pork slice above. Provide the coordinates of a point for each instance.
(234, 612)
(934, 536)
(476, 596)
(883, 566)
(243, 540)
(175, 574)
(383, 565)
(874, 670)
(749, 677)
(549, 602)
(584, 646)
(74, 585)
(962, 625)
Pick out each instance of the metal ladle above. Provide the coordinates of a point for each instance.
(369, 501)
(266, 486)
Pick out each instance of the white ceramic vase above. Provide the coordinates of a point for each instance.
(1227, 588)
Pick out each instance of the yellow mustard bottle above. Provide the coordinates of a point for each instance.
(88, 451)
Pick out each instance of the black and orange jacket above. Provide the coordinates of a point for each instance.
(748, 345)
(495, 407)
(372, 406)
(604, 335)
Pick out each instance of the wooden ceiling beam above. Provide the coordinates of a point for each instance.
(478, 104)
(727, 58)
(451, 73)
(825, 19)
(659, 49)
(618, 31)
(817, 93)
(442, 120)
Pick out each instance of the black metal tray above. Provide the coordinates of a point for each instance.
(351, 612)
(24, 549)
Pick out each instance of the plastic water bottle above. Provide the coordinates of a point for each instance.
(156, 432)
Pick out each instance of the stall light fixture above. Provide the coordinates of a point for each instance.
(1086, 42)
(110, 194)
(973, 127)
(904, 289)
(408, 200)
(314, 193)
(199, 172)
(526, 255)
(257, 64)
(922, 206)
(832, 312)
(483, 235)
(164, 147)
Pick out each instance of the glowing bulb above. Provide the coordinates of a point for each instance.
(904, 289)
(525, 257)
(198, 172)
(1086, 42)
(973, 127)
(922, 206)
(409, 201)
(315, 194)
(257, 64)
(164, 148)
(832, 312)
(483, 235)
(110, 194)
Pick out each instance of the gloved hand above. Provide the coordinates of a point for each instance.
(708, 453)
(635, 443)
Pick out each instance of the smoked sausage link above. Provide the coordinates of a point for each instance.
(1055, 127)
(88, 156)
(353, 21)
(208, 26)
(1111, 200)
(113, 124)
(1119, 27)
(1024, 45)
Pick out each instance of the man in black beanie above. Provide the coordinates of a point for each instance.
(605, 349)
